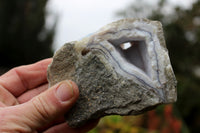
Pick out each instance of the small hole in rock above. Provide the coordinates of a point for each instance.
(85, 51)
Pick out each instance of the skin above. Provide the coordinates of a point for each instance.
(28, 105)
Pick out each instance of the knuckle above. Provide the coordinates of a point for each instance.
(42, 111)
(19, 73)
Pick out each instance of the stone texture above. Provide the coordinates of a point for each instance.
(123, 69)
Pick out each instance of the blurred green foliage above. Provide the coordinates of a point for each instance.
(182, 32)
(162, 120)
(23, 36)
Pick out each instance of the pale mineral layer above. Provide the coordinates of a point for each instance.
(122, 69)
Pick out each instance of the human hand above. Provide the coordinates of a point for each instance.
(26, 105)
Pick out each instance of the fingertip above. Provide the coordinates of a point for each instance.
(46, 61)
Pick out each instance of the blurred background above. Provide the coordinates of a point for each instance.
(31, 30)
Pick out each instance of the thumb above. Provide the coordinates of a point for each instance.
(45, 107)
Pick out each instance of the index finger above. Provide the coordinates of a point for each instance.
(20, 79)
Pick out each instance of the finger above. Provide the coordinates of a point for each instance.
(32, 93)
(57, 121)
(62, 128)
(43, 108)
(19, 79)
(6, 97)
(2, 104)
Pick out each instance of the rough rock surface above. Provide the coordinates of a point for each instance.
(113, 79)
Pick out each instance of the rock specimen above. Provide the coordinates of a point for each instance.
(123, 69)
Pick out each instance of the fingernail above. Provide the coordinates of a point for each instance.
(64, 91)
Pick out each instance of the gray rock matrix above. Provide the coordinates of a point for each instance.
(113, 80)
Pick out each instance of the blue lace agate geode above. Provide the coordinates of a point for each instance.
(122, 69)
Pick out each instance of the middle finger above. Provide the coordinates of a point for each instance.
(25, 97)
